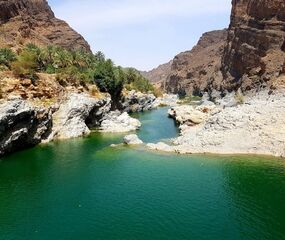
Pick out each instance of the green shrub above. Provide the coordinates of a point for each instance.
(25, 65)
(135, 81)
(7, 56)
(76, 68)
(50, 69)
(68, 74)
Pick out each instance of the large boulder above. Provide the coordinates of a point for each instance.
(190, 115)
(22, 125)
(77, 114)
(134, 101)
(116, 122)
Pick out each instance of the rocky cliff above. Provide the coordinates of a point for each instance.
(250, 55)
(192, 72)
(255, 53)
(33, 21)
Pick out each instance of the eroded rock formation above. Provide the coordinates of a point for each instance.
(33, 21)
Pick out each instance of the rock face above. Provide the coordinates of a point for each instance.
(77, 114)
(32, 21)
(158, 75)
(255, 53)
(22, 125)
(116, 122)
(46, 87)
(195, 71)
(250, 55)
(134, 101)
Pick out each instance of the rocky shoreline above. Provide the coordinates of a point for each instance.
(23, 124)
(253, 127)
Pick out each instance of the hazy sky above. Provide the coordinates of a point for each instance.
(143, 33)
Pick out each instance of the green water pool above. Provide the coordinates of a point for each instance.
(83, 189)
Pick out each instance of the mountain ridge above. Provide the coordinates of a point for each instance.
(250, 56)
(33, 21)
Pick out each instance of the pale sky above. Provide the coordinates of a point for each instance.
(143, 33)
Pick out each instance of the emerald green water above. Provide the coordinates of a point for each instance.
(82, 189)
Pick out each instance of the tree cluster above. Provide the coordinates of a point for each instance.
(74, 67)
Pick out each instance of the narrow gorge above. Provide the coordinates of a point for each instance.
(193, 149)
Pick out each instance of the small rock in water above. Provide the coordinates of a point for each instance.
(161, 146)
(132, 139)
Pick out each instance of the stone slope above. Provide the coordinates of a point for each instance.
(255, 53)
(192, 72)
(33, 21)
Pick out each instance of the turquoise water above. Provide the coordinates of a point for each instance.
(82, 189)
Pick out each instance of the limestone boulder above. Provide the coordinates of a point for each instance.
(132, 139)
(77, 114)
(116, 122)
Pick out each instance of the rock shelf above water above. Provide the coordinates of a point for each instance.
(255, 127)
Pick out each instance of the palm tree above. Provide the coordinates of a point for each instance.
(99, 56)
(62, 58)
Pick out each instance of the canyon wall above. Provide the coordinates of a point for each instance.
(255, 53)
(33, 21)
(193, 72)
(249, 55)
(158, 75)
